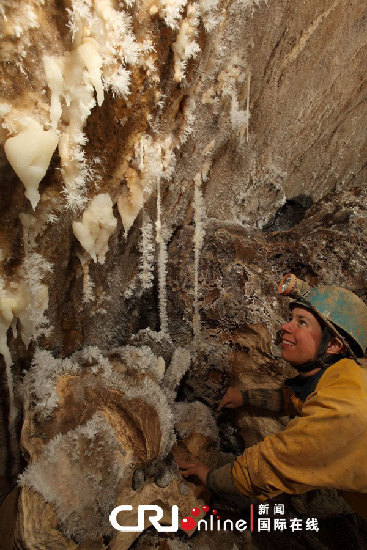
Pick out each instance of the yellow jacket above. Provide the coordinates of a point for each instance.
(324, 447)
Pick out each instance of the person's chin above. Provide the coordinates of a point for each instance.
(291, 360)
(286, 355)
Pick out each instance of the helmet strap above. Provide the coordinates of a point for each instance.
(319, 361)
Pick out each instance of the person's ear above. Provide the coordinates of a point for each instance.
(335, 345)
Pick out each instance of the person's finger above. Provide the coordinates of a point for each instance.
(183, 464)
(223, 403)
(189, 468)
(186, 472)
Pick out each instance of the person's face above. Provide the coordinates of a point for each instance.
(301, 337)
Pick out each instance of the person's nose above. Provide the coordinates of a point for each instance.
(287, 327)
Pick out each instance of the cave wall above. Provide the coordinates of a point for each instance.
(229, 138)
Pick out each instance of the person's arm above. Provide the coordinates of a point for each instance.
(320, 449)
(269, 400)
(323, 448)
(295, 460)
(198, 469)
(218, 480)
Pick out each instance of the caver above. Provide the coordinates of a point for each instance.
(325, 443)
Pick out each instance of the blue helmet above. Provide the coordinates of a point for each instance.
(339, 308)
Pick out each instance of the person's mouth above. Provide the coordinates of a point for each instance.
(287, 343)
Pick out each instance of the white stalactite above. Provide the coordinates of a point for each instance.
(88, 285)
(29, 152)
(248, 105)
(146, 247)
(162, 265)
(9, 301)
(13, 411)
(198, 243)
(97, 225)
(186, 47)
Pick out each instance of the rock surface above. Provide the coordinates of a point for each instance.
(230, 138)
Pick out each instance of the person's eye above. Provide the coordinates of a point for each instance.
(302, 322)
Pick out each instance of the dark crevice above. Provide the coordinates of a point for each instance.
(290, 214)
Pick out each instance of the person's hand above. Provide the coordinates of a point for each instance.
(232, 399)
(189, 469)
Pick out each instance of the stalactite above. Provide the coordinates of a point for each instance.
(162, 265)
(96, 226)
(25, 300)
(13, 413)
(88, 284)
(248, 105)
(146, 247)
(198, 243)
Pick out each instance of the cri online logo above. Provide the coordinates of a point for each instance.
(188, 522)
